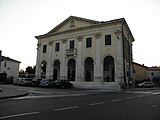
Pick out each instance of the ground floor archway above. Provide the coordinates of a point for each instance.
(71, 70)
(89, 69)
(108, 69)
(43, 69)
(56, 70)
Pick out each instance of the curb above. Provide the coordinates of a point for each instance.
(14, 96)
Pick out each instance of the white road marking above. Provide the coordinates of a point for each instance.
(66, 108)
(156, 93)
(130, 98)
(147, 93)
(98, 103)
(40, 92)
(116, 100)
(155, 106)
(49, 96)
(18, 115)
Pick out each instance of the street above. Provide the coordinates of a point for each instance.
(83, 105)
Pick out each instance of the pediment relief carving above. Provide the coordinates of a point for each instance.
(72, 23)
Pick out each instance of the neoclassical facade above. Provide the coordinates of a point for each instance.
(91, 54)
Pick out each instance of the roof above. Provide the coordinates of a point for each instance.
(91, 24)
(154, 69)
(9, 59)
(140, 65)
(73, 18)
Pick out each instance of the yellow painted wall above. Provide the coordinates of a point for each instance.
(140, 72)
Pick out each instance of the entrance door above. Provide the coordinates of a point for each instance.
(56, 71)
(55, 74)
(71, 69)
(89, 69)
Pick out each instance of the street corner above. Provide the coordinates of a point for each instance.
(7, 93)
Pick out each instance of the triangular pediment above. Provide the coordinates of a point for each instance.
(73, 22)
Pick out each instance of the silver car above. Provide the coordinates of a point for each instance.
(46, 83)
(25, 82)
(146, 84)
(16, 81)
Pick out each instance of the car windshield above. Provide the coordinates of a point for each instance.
(44, 80)
(50, 80)
(61, 81)
(26, 79)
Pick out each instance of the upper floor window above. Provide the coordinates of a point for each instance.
(72, 44)
(44, 48)
(5, 64)
(108, 40)
(57, 46)
(88, 42)
(152, 73)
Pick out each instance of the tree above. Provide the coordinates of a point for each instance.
(21, 73)
(30, 70)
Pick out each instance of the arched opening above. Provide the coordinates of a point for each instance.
(71, 70)
(108, 69)
(43, 69)
(56, 71)
(89, 69)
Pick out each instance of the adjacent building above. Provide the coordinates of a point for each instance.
(89, 53)
(153, 72)
(140, 72)
(10, 67)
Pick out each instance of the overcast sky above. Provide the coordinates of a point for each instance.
(22, 20)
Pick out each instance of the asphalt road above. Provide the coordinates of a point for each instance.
(97, 105)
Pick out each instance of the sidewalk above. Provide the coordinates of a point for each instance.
(8, 91)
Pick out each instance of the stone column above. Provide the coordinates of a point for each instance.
(38, 62)
(79, 73)
(97, 65)
(49, 69)
(63, 67)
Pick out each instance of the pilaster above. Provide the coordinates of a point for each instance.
(63, 69)
(119, 59)
(49, 71)
(97, 65)
(79, 72)
(38, 64)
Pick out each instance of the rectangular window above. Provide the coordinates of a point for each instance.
(57, 47)
(72, 44)
(44, 48)
(107, 39)
(88, 42)
(5, 64)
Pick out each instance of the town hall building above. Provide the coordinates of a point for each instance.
(89, 53)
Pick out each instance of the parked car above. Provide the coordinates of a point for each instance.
(25, 81)
(16, 81)
(146, 84)
(46, 83)
(36, 82)
(62, 84)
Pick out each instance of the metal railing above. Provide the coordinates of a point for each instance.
(71, 52)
